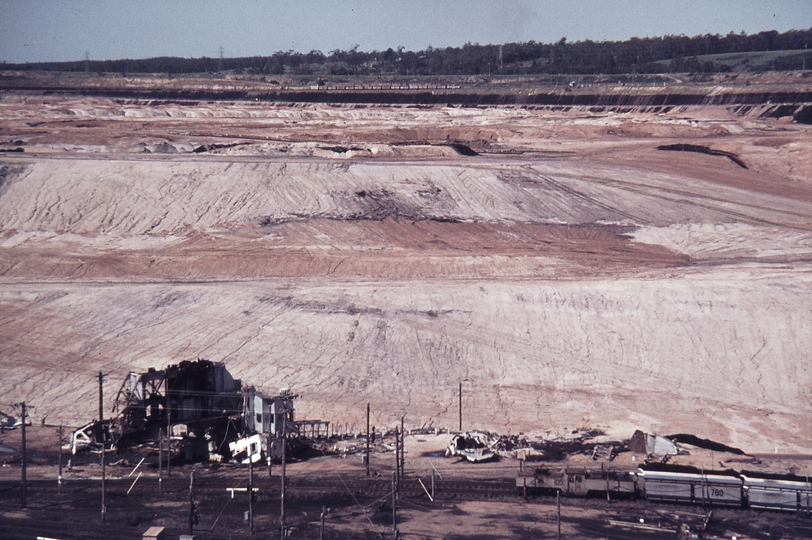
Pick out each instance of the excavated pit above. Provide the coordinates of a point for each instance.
(570, 275)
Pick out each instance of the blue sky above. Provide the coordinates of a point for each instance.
(56, 30)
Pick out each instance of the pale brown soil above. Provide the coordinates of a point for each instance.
(588, 281)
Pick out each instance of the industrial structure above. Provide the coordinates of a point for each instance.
(202, 411)
(199, 394)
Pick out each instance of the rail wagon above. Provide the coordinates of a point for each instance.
(695, 488)
(580, 482)
(788, 493)
(677, 483)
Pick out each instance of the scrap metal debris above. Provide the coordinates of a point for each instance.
(92, 435)
(246, 450)
(481, 446)
(8, 422)
(472, 446)
(603, 451)
(646, 443)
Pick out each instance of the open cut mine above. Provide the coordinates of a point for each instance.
(551, 260)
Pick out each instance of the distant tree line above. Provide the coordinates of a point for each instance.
(668, 54)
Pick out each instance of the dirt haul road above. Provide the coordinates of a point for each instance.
(570, 275)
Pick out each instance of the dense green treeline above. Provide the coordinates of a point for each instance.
(669, 54)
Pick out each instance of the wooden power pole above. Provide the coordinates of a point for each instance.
(100, 434)
(402, 448)
(460, 407)
(160, 463)
(101, 396)
(284, 459)
(367, 438)
(24, 501)
(394, 506)
(270, 457)
(168, 439)
(191, 502)
(397, 454)
(250, 491)
(59, 478)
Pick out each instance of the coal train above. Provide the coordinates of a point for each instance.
(679, 484)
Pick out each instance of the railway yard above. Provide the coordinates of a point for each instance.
(566, 274)
(470, 500)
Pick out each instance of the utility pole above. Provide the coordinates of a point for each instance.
(168, 439)
(101, 396)
(460, 406)
(59, 478)
(367, 438)
(558, 513)
(160, 463)
(284, 458)
(100, 434)
(270, 457)
(24, 501)
(250, 492)
(191, 502)
(104, 487)
(397, 454)
(402, 449)
(394, 506)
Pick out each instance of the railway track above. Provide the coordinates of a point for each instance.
(460, 488)
(75, 512)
